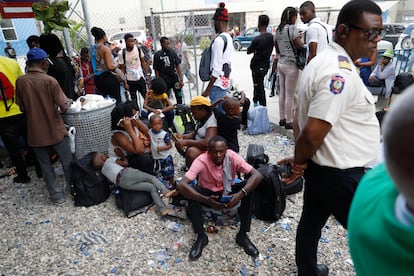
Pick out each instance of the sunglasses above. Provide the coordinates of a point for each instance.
(371, 34)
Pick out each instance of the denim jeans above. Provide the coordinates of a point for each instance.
(65, 155)
(217, 93)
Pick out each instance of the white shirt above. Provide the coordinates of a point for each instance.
(157, 140)
(218, 58)
(331, 90)
(111, 169)
(317, 33)
(132, 63)
(201, 132)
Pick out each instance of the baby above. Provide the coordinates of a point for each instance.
(161, 149)
(116, 170)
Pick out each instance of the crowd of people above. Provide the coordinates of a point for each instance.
(337, 135)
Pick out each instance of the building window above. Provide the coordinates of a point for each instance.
(7, 29)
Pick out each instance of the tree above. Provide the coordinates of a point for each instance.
(52, 14)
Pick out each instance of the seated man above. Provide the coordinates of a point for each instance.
(383, 75)
(381, 218)
(216, 170)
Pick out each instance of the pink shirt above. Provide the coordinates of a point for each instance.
(210, 176)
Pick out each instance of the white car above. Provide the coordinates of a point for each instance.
(139, 35)
(404, 42)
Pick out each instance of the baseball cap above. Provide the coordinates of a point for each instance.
(38, 54)
(200, 100)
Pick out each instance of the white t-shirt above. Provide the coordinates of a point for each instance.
(201, 132)
(318, 32)
(218, 58)
(111, 169)
(133, 66)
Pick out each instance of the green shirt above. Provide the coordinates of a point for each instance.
(379, 243)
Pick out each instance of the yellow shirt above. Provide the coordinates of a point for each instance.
(11, 69)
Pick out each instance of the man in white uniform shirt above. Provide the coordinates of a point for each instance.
(339, 133)
(318, 35)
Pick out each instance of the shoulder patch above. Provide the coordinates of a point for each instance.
(337, 84)
(344, 63)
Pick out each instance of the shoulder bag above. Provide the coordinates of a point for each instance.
(300, 53)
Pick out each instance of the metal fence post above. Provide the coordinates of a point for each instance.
(154, 35)
(87, 21)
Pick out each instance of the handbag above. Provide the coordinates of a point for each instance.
(300, 54)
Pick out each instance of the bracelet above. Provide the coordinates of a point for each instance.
(244, 192)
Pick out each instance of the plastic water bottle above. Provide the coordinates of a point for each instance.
(174, 226)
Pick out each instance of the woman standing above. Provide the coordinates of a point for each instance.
(103, 65)
(286, 36)
(87, 71)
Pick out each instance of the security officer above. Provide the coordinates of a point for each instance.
(339, 133)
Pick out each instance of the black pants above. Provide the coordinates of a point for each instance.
(11, 129)
(245, 210)
(245, 111)
(327, 191)
(135, 86)
(177, 92)
(258, 84)
(108, 85)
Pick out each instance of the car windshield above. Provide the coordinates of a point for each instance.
(408, 30)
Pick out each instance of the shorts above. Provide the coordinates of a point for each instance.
(167, 167)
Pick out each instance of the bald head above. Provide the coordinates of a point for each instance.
(398, 133)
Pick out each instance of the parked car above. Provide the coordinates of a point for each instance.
(404, 42)
(245, 39)
(394, 30)
(139, 35)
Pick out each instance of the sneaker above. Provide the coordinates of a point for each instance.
(21, 179)
(59, 202)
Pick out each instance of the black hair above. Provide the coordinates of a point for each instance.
(353, 10)
(163, 39)
(84, 50)
(287, 17)
(120, 111)
(130, 106)
(158, 86)
(307, 5)
(32, 39)
(92, 155)
(215, 139)
(263, 20)
(126, 36)
(51, 44)
(97, 32)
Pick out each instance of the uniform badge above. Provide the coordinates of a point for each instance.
(344, 63)
(337, 84)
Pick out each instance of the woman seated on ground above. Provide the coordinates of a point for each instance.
(193, 144)
(130, 135)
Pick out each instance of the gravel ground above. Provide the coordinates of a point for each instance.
(40, 239)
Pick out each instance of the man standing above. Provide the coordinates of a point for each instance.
(339, 133)
(38, 96)
(411, 61)
(167, 66)
(261, 47)
(10, 51)
(12, 121)
(132, 62)
(220, 58)
(216, 170)
(318, 35)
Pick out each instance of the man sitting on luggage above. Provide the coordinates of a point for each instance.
(384, 73)
(216, 170)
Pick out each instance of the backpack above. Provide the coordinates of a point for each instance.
(89, 186)
(270, 197)
(255, 155)
(401, 82)
(258, 121)
(205, 71)
(183, 120)
(132, 202)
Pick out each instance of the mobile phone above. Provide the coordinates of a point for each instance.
(225, 198)
(287, 169)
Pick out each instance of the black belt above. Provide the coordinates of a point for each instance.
(315, 166)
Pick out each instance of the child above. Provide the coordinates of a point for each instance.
(229, 123)
(128, 178)
(157, 101)
(161, 149)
